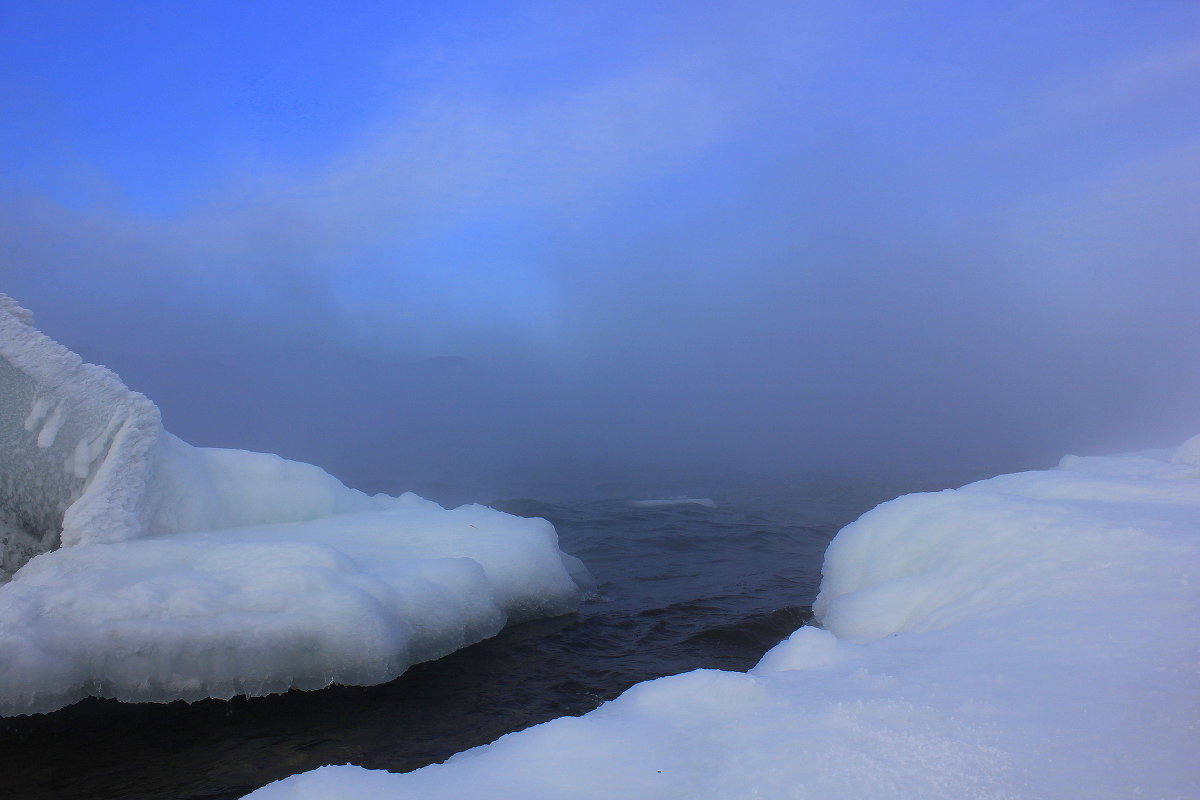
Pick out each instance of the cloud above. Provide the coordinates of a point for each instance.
(777, 235)
(1120, 85)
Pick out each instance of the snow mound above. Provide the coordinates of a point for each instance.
(1028, 636)
(135, 566)
(1188, 452)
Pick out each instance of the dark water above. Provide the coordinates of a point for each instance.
(680, 587)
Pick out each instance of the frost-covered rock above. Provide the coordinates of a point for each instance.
(86, 460)
(1028, 636)
(144, 568)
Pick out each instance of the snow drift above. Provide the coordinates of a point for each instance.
(135, 566)
(1028, 636)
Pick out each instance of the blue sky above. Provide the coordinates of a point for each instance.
(779, 231)
(161, 98)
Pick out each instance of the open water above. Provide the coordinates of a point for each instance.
(681, 586)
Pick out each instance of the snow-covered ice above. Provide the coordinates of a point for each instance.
(135, 566)
(1034, 635)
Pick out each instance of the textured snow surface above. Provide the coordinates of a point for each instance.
(1029, 636)
(135, 566)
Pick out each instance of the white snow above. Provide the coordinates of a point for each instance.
(1029, 636)
(143, 568)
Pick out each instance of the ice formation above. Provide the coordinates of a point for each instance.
(135, 566)
(1028, 636)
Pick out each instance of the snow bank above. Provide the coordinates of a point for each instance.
(143, 568)
(1029, 636)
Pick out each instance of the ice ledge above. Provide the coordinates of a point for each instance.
(87, 460)
(143, 568)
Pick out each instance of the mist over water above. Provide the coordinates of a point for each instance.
(744, 235)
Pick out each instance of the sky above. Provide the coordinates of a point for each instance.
(410, 239)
